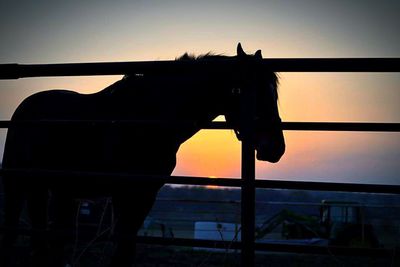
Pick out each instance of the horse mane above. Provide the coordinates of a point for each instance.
(274, 78)
(192, 57)
(186, 57)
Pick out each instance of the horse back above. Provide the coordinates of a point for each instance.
(34, 145)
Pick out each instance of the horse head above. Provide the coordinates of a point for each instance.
(267, 137)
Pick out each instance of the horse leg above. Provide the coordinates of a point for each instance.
(63, 209)
(13, 204)
(131, 209)
(37, 208)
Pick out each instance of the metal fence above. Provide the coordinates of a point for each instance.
(247, 183)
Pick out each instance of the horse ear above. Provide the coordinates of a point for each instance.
(258, 54)
(239, 51)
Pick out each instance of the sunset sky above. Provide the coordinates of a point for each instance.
(49, 31)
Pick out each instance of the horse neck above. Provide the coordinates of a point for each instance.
(207, 103)
(182, 98)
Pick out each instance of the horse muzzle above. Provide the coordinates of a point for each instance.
(269, 156)
(270, 151)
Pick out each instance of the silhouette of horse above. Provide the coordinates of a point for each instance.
(141, 149)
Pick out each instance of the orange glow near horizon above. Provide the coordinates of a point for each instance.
(368, 97)
(211, 153)
(331, 156)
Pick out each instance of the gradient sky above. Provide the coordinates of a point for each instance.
(48, 31)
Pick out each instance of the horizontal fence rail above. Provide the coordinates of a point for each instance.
(270, 247)
(16, 71)
(126, 179)
(294, 126)
(237, 245)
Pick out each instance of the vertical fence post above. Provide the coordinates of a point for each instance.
(248, 98)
